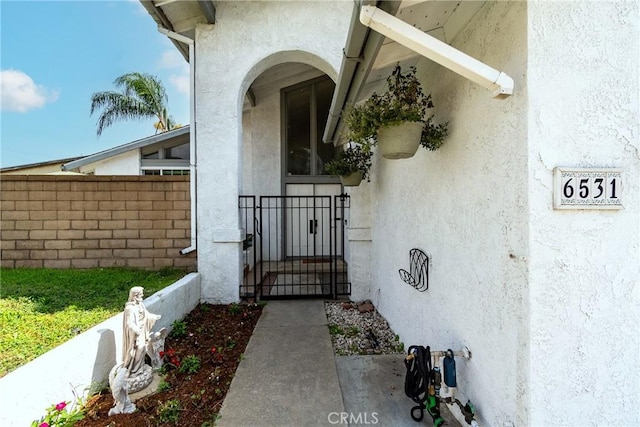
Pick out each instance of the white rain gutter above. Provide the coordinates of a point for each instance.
(192, 134)
(432, 48)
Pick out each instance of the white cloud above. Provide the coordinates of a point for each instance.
(171, 59)
(180, 82)
(20, 93)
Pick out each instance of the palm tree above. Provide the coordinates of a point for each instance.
(142, 96)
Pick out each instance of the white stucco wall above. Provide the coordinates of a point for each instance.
(466, 207)
(584, 61)
(123, 164)
(248, 38)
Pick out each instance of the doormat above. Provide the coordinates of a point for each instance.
(315, 260)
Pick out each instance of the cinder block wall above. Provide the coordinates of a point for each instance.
(95, 221)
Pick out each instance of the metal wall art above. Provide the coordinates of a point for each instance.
(418, 274)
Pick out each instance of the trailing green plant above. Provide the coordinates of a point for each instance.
(190, 364)
(353, 159)
(169, 411)
(404, 101)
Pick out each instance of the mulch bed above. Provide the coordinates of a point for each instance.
(218, 336)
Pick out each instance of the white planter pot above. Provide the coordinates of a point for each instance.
(352, 180)
(401, 141)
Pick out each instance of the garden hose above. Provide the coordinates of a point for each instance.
(419, 384)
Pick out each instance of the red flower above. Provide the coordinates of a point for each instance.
(60, 406)
(43, 425)
(162, 354)
(213, 349)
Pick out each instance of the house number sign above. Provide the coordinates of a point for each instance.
(593, 188)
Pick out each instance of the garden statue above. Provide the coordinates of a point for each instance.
(155, 346)
(133, 374)
(136, 334)
(119, 389)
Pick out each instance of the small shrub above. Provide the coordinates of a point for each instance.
(230, 343)
(335, 330)
(235, 308)
(198, 396)
(216, 354)
(399, 346)
(169, 411)
(57, 415)
(352, 331)
(164, 386)
(190, 364)
(178, 328)
(171, 359)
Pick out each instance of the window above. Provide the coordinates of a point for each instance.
(178, 152)
(153, 155)
(306, 111)
(169, 158)
(165, 172)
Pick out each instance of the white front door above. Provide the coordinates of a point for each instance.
(309, 226)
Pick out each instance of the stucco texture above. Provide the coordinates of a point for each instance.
(466, 207)
(248, 38)
(584, 264)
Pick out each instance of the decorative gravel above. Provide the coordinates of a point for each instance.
(359, 329)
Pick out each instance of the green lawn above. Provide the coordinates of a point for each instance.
(42, 308)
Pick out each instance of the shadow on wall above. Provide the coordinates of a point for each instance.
(104, 361)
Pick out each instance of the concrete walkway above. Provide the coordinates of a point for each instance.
(290, 377)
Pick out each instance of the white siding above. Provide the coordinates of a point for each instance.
(123, 164)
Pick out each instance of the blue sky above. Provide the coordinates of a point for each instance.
(54, 55)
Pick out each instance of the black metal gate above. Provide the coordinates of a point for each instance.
(294, 247)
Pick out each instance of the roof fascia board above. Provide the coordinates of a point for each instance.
(432, 48)
(359, 54)
(208, 10)
(162, 20)
(165, 136)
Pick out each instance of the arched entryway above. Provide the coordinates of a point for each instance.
(230, 56)
(296, 230)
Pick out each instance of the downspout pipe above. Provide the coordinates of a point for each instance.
(359, 54)
(192, 135)
(432, 48)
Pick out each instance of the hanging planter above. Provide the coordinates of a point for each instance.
(400, 141)
(352, 165)
(352, 180)
(396, 119)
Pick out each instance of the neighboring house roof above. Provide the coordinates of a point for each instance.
(38, 165)
(161, 137)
